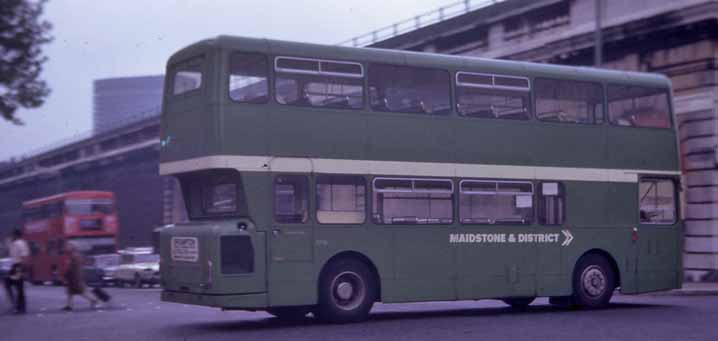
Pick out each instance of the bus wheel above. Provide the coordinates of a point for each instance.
(593, 281)
(346, 291)
(519, 303)
(289, 313)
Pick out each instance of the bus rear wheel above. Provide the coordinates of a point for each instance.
(347, 291)
(519, 303)
(593, 281)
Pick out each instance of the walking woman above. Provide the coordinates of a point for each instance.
(74, 279)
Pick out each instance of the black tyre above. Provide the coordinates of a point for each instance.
(347, 291)
(593, 281)
(289, 313)
(519, 303)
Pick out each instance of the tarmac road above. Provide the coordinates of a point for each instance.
(137, 314)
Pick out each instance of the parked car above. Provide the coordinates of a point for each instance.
(138, 269)
(100, 269)
(5, 265)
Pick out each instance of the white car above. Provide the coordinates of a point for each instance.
(138, 269)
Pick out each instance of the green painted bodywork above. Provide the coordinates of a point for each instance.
(413, 262)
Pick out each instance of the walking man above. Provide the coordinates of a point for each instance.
(19, 252)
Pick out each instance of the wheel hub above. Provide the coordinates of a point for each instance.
(345, 290)
(594, 281)
(348, 290)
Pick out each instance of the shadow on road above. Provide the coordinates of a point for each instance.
(274, 323)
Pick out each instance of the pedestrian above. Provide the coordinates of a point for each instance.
(74, 279)
(14, 282)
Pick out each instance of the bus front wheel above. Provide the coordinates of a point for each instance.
(347, 291)
(593, 281)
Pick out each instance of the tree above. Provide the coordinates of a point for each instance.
(21, 35)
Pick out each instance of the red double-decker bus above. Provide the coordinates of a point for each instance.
(87, 218)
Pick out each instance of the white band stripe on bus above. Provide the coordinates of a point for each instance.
(404, 168)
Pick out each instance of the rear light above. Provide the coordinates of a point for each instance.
(634, 235)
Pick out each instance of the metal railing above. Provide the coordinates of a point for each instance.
(422, 20)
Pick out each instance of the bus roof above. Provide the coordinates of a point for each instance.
(452, 62)
(68, 195)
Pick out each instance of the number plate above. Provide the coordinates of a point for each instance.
(185, 249)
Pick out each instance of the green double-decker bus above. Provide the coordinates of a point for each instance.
(323, 179)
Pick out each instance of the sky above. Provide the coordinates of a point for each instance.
(118, 38)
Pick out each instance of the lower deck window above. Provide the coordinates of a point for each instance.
(413, 201)
(340, 199)
(237, 255)
(657, 201)
(291, 193)
(552, 201)
(496, 202)
(214, 193)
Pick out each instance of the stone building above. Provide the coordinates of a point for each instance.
(678, 38)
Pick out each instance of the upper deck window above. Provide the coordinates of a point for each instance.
(248, 78)
(88, 206)
(637, 106)
(319, 83)
(187, 78)
(406, 89)
(568, 101)
(492, 96)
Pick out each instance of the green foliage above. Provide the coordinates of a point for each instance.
(21, 35)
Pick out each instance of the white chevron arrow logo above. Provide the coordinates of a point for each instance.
(568, 237)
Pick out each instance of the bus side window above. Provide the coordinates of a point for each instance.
(248, 78)
(492, 96)
(60, 246)
(51, 248)
(402, 201)
(495, 202)
(657, 201)
(635, 106)
(34, 250)
(341, 199)
(415, 90)
(291, 193)
(319, 83)
(568, 101)
(552, 203)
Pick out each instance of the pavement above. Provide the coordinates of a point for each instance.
(692, 289)
(138, 314)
